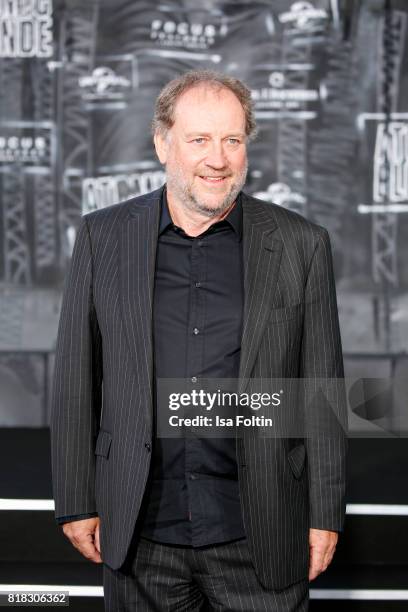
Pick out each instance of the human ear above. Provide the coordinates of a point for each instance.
(161, 146)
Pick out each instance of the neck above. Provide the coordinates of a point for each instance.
(191, 221)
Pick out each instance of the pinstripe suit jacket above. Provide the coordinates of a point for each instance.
(101, 425)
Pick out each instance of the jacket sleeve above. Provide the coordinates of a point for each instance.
(77, 387)
(322, 378)
(76, 517)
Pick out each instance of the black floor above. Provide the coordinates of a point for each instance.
(372, 553)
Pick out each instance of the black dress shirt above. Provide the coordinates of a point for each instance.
(192, 498)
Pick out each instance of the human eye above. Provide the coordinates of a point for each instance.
(199, 140)
(233, 141)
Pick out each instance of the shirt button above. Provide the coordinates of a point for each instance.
(193, 477)
(198, 284)
(200, 243)
(148, 447)
(194, 379)
(196, 331)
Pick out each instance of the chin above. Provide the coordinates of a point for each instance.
(211, 202)
(211, 210)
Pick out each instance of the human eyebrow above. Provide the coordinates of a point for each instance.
(197, 134)
(207, 135)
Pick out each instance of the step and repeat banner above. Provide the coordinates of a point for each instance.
(78, 81)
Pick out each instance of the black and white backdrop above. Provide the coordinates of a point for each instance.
(78, 81)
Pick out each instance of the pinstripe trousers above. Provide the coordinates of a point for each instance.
(167, 578)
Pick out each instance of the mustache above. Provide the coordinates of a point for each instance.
(215, 175)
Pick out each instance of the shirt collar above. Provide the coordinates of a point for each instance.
(234, 217)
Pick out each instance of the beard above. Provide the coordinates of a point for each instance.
(192, 201)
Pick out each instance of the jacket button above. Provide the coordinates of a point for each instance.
(148, 447)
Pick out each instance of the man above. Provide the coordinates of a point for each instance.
(196, 280)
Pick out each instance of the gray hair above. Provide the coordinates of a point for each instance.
(163, 118)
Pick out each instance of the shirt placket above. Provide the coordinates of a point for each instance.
(195, 356)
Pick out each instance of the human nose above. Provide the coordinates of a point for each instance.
(216, 157)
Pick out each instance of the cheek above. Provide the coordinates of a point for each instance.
(187, 161)
(239, 164)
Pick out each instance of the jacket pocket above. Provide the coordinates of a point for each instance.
(286, 313)
(296, 458)
(103, 443)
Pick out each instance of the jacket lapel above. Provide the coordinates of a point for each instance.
(261, 256)
(137, 244)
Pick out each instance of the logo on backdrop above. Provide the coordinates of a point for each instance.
(391, 148)
(281, 194)
(27, 143)
(104, 83)
(112, 81)
(26, 28)
(101, 191)
(186, 35)
(279, 96)
(304, 17)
